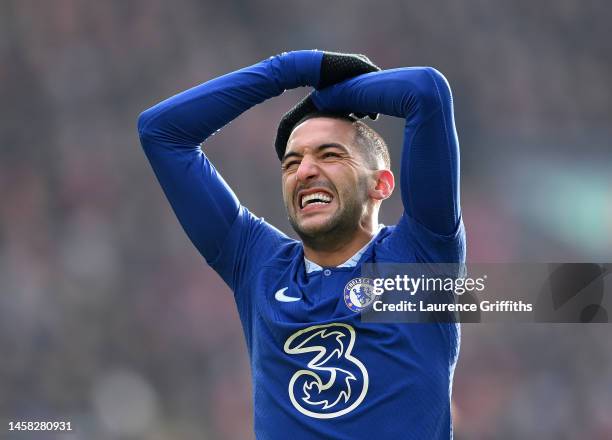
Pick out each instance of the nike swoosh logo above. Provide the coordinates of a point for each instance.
(280, 296)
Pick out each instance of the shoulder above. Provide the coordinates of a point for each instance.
(411, 242)
(251, 244)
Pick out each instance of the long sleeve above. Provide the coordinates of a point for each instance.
(171, 133)
(429, 178)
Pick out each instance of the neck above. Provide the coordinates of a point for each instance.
(333, 251)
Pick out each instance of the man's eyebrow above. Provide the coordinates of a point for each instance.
(290, 154)
(332, 145)
(318, 149)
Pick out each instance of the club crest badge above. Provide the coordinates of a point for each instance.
(358, 293)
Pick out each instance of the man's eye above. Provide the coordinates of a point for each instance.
(291, 165)
(330, 154)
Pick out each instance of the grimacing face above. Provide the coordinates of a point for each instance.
(325, 178)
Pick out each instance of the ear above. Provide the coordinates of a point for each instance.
(384, 184)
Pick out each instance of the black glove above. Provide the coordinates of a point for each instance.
(337, 67)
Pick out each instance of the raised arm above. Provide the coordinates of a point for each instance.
(429, 177)
(171, 133)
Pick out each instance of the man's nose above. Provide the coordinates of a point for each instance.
(308, 169)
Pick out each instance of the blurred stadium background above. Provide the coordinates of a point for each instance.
(111, 320)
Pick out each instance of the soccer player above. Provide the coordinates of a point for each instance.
(319, 372)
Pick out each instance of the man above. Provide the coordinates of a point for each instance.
(318, 371)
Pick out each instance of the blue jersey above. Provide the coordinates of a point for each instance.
(319, 372)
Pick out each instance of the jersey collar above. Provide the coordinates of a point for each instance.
(311, 266)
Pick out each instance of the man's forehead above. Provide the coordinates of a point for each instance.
(321, 130)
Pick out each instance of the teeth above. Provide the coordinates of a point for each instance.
(320, 197)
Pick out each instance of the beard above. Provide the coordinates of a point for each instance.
(340, 227)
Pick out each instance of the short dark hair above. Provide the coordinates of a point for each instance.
(372, 146)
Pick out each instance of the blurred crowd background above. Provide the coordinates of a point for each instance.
(110, 319)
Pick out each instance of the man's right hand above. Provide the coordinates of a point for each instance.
(337, 67)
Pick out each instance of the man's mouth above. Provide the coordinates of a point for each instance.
(317, 198)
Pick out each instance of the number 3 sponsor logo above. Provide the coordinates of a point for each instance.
(334, 382)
